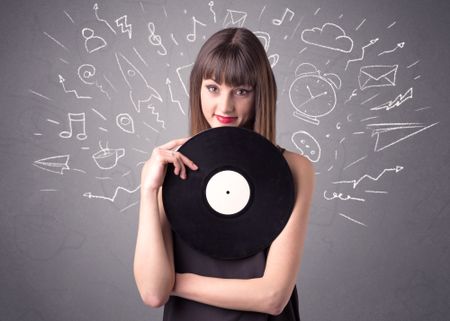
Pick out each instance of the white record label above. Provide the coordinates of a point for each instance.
(227, 192)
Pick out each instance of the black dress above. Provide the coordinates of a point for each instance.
(189, 260)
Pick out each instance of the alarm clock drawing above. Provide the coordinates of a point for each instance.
(312, 94)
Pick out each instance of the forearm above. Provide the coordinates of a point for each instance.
(153, 271)
(237, 294)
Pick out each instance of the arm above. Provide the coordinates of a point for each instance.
(153, 261)
(271, 292)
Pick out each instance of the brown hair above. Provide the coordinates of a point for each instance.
(237, 57)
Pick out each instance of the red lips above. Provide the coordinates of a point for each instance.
(225, 120)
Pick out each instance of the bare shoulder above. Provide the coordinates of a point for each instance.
(300, 165)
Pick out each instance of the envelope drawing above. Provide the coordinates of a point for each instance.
(234, 18)
(377, 76)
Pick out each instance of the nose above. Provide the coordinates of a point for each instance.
(226, 103)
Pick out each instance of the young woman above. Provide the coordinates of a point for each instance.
(231, 84)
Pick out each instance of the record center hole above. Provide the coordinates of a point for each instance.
(228, 192)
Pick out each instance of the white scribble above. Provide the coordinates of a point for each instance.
(155, 39)
(234, 18)
(356, 161)
(95, 8)
(62, 80)
(352, 219)
(377, 76)
(96, 42)
(385, 129)
(193, 36)
(77, 120)
(140, 91)
(355, 182)
(330, 36)
(124, 26)
(149, 126)
(398, 46)
(211, 5)
(278, 22)
(307, 145)
(369, 99)
(40, 95)
(413, 64)
(173, 39)
(86, 73)
(140, 57)
(125, 122)
(57, 42)
(68, 16)
(53, 164)
(107, 158)
(154, 112)
(112, 198)
(168, 83)
(400, 99)
(359, 26)
(371, 42)
(184, 69)
(341, 197)
(98, 113)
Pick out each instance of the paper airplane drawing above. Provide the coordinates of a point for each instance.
(54, 164)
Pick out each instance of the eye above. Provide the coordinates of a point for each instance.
(211, 88)
(242, 91)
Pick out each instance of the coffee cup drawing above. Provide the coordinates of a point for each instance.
(107, 158)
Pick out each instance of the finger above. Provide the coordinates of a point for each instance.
(188, 162)
(178, 158)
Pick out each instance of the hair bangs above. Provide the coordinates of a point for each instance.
(230, 65)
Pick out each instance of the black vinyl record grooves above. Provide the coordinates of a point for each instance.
(239, 199)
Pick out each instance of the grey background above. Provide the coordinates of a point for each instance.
(69, 257)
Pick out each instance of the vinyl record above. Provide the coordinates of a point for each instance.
(239, 199)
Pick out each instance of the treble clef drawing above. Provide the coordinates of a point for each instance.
(155, 39)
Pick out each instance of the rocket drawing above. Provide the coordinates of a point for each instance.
(140, 90)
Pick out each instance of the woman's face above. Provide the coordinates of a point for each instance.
(226, 106)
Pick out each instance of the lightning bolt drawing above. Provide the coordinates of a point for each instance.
(400, 99)
(168, 83)
(396, 169)
(124, 26)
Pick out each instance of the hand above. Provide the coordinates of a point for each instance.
(154, 170)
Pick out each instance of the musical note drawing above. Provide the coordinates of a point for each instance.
(92, 42)
(77, 120)
(278, 22)
(62, 80)
(86, 73)
(95, 8)
(54, 164)
(121, 22)
(193, 36)
(155, 39)
(400, 99)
